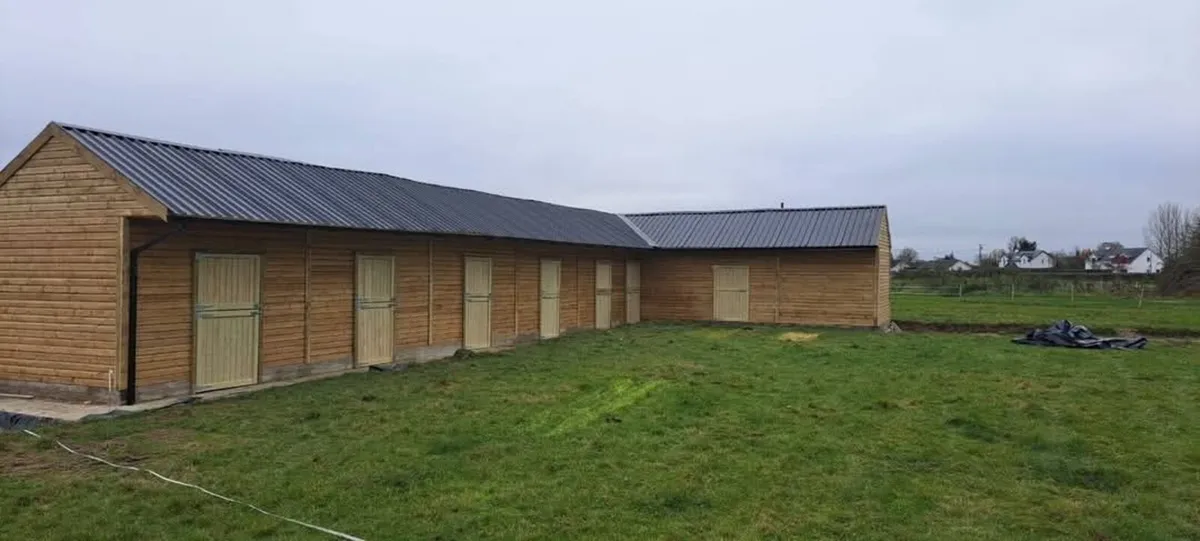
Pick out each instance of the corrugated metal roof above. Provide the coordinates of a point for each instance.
(833, 227)
(208, 183)
(218, 184)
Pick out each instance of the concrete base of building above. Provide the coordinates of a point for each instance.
(74, 402)
(295, 371)
(81, 394)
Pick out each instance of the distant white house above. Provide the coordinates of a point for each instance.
(1033, 259)
(945, 264)
(1115, 258)
(960, 266)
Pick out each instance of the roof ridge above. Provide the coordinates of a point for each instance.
(638, 230)
(252, 155)
(758, 210)
(197, 181)
(186, 146)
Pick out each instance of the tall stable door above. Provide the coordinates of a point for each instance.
(477, 303)
(731, 293)
(374, 303)
(549, 304)
(228, 314)
(633, 291)
(603, 294)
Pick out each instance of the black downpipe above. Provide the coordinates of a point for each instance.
(132, 307)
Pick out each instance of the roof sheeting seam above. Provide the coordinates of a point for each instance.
(196, 182)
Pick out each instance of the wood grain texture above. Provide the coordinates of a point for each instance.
(884, 262)
(66, 221)
(809, 287)
(147, 206)
(60, 255)
(166, 293)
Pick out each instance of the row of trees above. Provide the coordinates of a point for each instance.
(1171, 229)
(1181, 275)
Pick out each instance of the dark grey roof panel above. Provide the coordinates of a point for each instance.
(217, 184)
(834, 227)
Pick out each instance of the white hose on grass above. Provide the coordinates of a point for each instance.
(334, 533)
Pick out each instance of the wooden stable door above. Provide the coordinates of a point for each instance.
(731, 293)
(374, 302)
(549, 304)
(633, 291)
(227, 320)
(603, 294)
(477, 303)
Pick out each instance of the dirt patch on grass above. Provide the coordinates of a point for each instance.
(676, 370)
(173, 438)
(716, 334)
(532, 398)
(140, 446)
(32, 460)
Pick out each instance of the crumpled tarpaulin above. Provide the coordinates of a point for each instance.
(19, 421)
(1066, 334)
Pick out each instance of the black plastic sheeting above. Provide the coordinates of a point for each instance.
(1066, 334)
(20, 421)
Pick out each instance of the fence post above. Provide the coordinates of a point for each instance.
(1013, 291)
(1141, 294)
(960, 290)
(1072, 292)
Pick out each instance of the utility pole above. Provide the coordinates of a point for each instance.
(980, 260)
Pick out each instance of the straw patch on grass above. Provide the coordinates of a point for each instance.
(798, 336)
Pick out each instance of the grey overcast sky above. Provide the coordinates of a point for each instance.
(1063, 120)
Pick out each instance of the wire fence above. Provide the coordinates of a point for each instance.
(1141, 293)
(1056, 285)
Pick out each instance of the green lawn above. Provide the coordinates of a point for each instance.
(1108, 313)
(660, 432)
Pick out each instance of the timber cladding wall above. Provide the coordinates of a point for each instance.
(299, 298)
(884, 271)
(61, 235)
(425, 326)
(810, 287)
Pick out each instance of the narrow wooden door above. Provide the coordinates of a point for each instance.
(374, 302)
(603, 294)
(227, 320)
(549, 307)
(477, 303)
(633, 291)
(731, 293)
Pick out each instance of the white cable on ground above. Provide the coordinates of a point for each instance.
(334, 533)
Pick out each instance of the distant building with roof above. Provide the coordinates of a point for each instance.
(1113, 257)
(1028, 259)
(137, 269)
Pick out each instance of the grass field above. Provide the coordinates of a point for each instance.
(659, 432)
(1109, 313)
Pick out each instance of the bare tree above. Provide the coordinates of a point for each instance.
(992, 259)
(906, 255)
(1182, 276)
(1168, 231)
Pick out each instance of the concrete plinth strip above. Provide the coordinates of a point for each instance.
(70, 412)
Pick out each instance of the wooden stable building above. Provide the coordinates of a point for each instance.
(133, 269)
